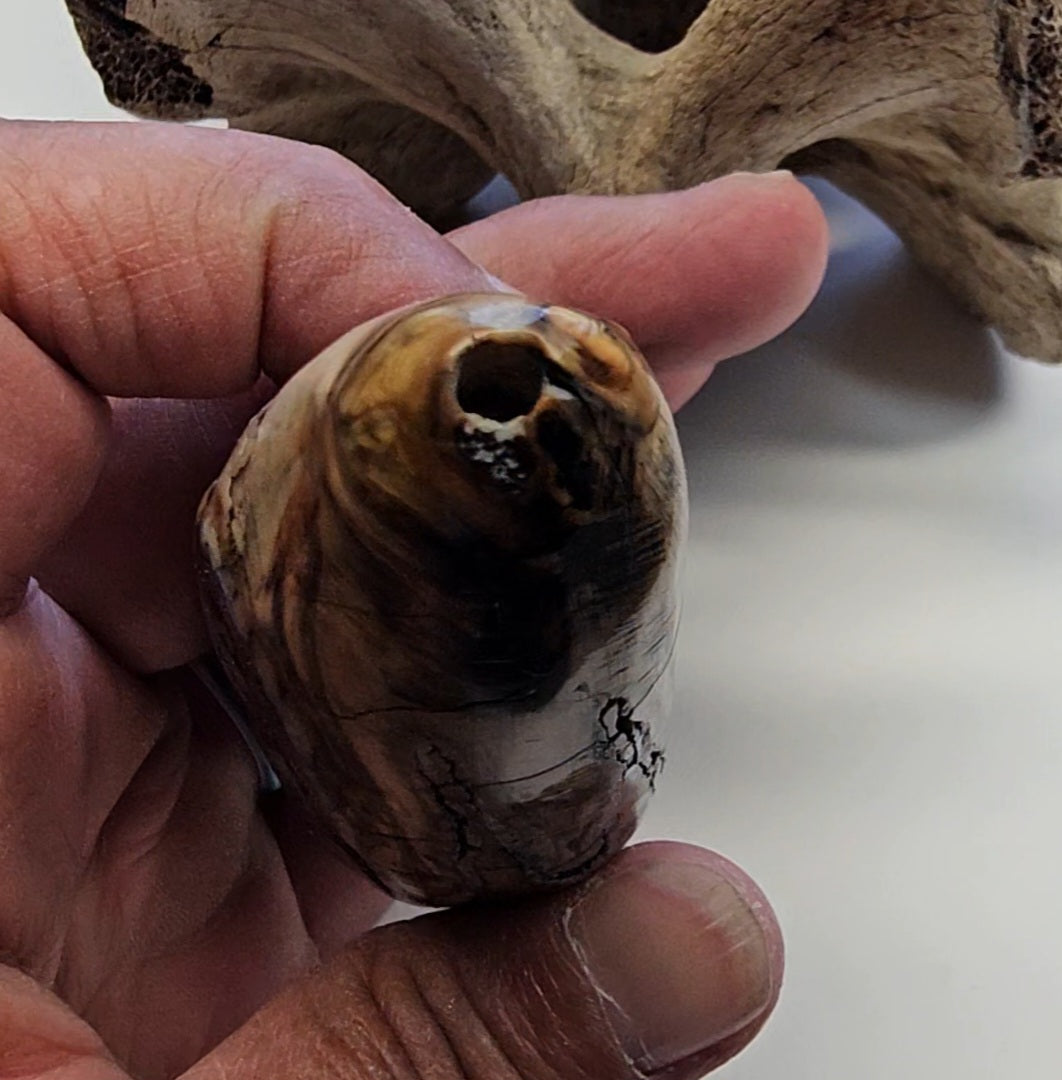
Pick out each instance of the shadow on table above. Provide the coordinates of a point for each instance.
(885, 356)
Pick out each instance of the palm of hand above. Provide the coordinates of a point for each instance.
(170, 911)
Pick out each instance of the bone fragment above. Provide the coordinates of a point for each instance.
(942, 115)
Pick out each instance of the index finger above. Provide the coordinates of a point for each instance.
(160, 261)
(157, 261)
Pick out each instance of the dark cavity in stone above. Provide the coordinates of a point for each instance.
(499, 380)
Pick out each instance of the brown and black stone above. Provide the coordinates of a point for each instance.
(440, 568)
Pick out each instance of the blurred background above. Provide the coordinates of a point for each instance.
(869, 681)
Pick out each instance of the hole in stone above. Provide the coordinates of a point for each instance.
(500, 380)
(574, 469)
(650, 25)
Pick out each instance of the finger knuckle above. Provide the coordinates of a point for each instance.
(417, 1018)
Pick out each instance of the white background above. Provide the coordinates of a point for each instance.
(869, 710)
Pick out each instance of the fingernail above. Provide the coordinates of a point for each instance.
(679, 957)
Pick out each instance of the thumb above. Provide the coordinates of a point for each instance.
(665, 965)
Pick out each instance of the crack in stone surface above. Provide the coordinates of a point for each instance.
(630, 740)
(458, 818)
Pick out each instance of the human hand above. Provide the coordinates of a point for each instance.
(155, 282)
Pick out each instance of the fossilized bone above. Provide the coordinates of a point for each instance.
(941, 115)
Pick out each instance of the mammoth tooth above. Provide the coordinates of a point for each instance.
(439, 569)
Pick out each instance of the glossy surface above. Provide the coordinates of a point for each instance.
(441, 571)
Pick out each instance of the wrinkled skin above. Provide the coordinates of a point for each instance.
(148, 907)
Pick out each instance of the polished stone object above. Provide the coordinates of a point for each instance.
(440, 572)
